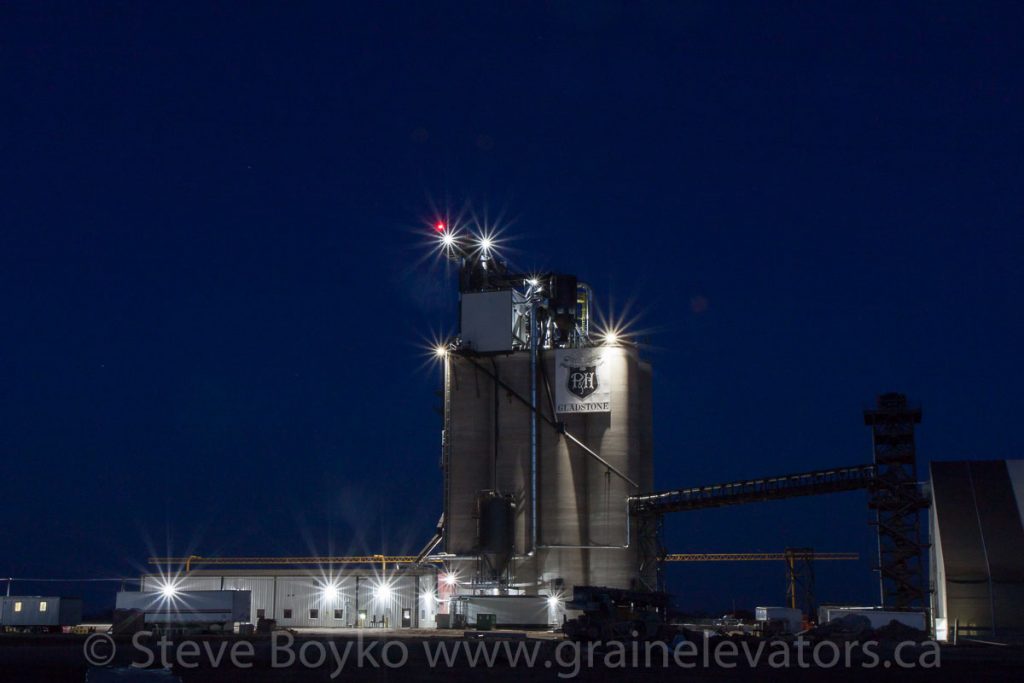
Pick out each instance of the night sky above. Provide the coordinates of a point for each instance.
(216, 281)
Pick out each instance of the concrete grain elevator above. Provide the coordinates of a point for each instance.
(547, 431)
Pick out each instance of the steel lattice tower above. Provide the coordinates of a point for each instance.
(897, 500)
(800, 581)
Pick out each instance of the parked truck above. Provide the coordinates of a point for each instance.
(203, 610)
(614, 614)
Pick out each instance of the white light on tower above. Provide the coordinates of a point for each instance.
(440, 350)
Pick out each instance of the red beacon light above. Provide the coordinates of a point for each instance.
(439, 227)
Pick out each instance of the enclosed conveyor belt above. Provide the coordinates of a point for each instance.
(814, 483)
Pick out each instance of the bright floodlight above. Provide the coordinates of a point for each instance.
(447, 239)
(486, 243)
(611, 337)
(168, 590)
(440, 350)
(382, 593)
(449, 580)
(553, 601)
(330, 592)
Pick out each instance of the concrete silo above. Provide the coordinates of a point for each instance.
(547, 431)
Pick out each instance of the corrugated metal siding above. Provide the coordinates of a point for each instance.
(262, 589)
(152, 583)
(300, 595)
(311, 607)
(387, 611)
(190, 583)
(360, 593)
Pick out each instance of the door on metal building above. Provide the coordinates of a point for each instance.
(406, 617)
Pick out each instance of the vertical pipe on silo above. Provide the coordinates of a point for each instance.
(533, 426)
(446, 456)
(496, 428)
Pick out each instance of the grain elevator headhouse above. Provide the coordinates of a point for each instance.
(547, 431)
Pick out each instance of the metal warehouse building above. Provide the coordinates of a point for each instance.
(327, 599)
(977, 555)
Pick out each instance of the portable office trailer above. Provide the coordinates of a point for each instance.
(792, 618)
(36, 611)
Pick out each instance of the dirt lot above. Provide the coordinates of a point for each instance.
(408, 657)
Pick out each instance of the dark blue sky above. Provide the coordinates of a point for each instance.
(213, 298)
